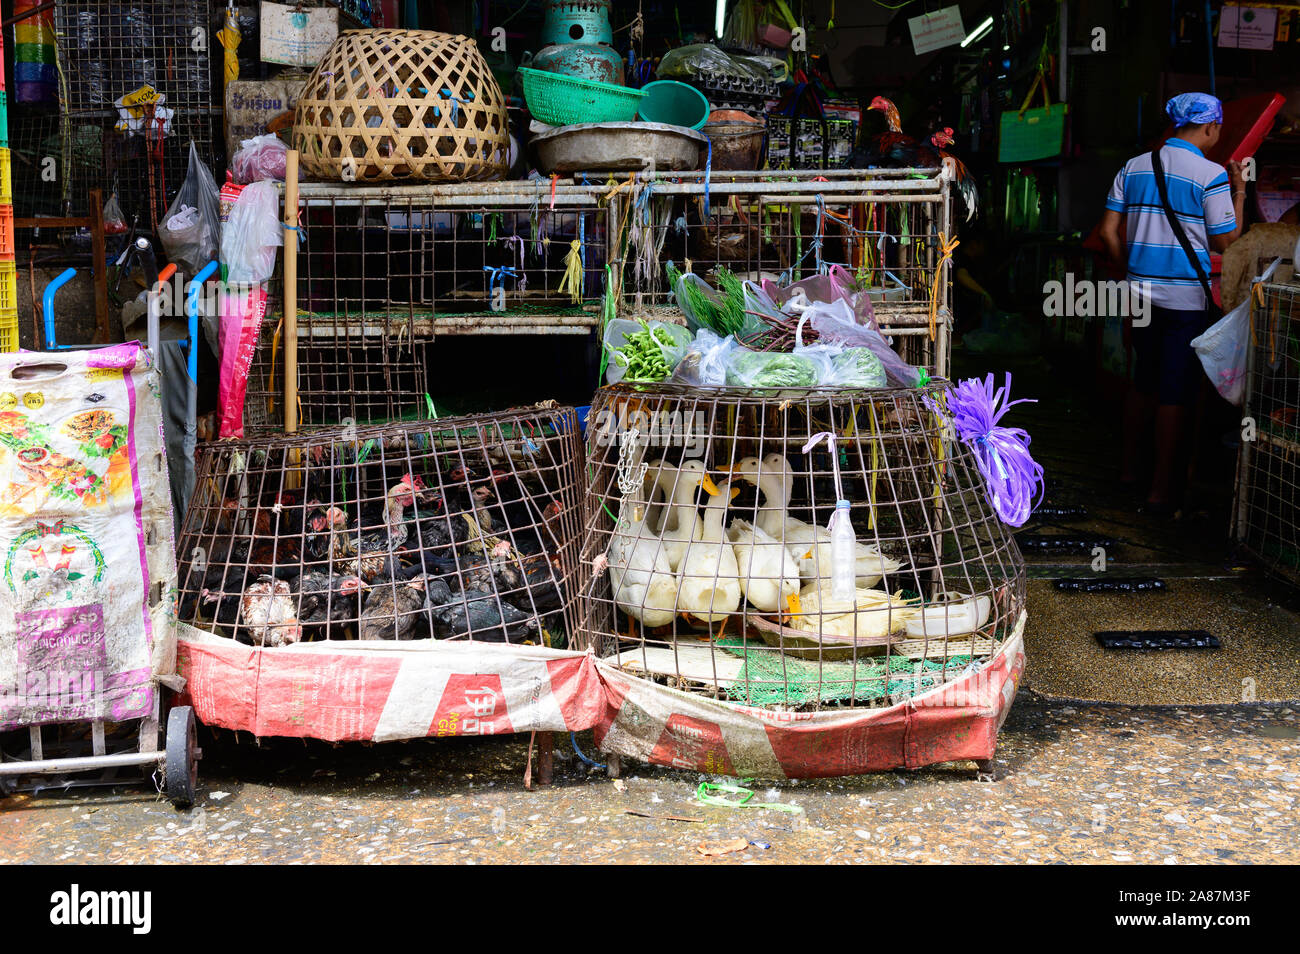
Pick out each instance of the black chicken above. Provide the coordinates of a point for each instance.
(393, 609)
(328, 599)
(478, 614)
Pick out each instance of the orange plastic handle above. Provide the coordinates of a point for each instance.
(164, 276)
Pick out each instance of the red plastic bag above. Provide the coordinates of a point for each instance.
(241, 325)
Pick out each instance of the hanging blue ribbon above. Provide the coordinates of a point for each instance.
(1001, 453)
(708, 170)
(817, 238)
(499, 274)
(456, 102)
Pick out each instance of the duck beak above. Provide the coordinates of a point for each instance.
(735, 492)
(709, 486)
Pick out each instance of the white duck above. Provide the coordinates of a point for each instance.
(644, 585)
(682, 523)
(769, 573)
(951, 614)
(810, 543)
(708, 580)
(871, 613)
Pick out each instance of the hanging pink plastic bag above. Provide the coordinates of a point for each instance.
(262, 157)
(241, 325)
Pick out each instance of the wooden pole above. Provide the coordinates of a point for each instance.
(291, 292)
(294, 479)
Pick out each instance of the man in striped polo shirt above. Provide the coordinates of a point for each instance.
(1209, 204)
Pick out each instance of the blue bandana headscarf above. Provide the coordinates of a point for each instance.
(1187, 108)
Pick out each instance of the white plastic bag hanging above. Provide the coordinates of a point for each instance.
(252, 234)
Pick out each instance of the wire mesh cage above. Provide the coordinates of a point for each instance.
(461, 528)
(342, 379)
(109, 51)
(384, 271)
(710, 559)
(887, 227)
(1268, 479)
(391, 261)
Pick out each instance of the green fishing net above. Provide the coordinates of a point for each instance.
(772, 678)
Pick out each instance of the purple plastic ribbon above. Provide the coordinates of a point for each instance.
(1001, 453)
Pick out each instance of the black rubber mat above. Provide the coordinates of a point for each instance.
(1157, 639)
(1117, 584)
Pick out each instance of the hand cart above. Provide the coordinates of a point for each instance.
(174, 754)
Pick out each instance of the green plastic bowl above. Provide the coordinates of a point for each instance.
(560, 100)
(673, 103)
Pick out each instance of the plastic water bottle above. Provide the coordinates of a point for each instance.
(843, 547)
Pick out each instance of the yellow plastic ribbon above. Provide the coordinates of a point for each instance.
(572, 280)
(946, 247)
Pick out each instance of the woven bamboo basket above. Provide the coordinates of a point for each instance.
(402, 104)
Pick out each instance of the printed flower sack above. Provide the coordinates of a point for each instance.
(88, 571)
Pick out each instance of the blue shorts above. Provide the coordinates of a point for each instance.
(1166, 367)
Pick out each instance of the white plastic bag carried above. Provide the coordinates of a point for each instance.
(252, 234)
(1222, 350)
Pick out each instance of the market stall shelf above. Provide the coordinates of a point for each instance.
(892, 229)
(385, 270)
(745, 578)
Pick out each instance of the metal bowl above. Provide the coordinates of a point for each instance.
(618, 147)
(736, 144)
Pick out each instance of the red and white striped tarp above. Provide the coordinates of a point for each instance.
(952, 722)
(385, 691)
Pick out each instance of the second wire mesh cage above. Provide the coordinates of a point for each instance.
(710, 562)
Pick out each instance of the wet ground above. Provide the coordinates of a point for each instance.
(1075, 784)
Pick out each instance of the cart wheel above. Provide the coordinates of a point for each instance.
(181, 771)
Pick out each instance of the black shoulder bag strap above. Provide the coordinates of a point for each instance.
(1159, 168)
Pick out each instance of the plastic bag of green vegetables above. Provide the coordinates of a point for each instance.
(643, 351)
(772, 369)
(722, 310)
(856, 368)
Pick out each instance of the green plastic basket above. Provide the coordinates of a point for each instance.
(559, 100)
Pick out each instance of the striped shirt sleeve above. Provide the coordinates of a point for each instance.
(1219, 215)
(1115, 200)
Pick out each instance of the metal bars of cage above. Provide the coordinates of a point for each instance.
(708, 564)
(887, 228)
(1267, 515)
(461, 529)
(108, 52)
(468, 258)
(385, 270)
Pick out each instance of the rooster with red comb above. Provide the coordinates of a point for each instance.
(895, 149)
